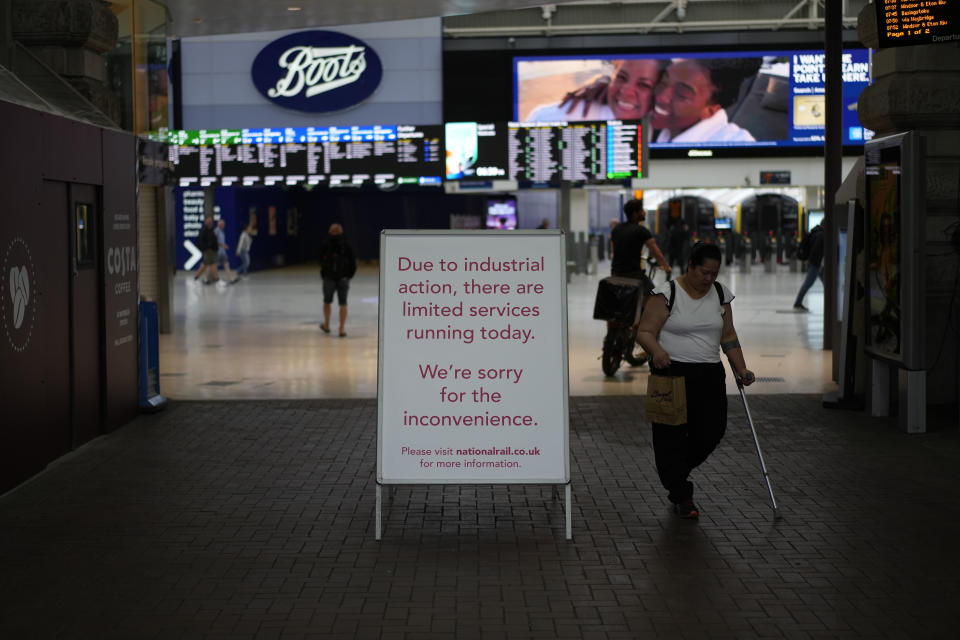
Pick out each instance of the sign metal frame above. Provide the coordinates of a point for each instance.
(479, 237)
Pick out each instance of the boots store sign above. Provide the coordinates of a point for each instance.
(317, 71)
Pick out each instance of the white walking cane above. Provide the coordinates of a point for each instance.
(766, 476)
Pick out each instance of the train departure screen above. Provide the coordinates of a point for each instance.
(909, 22)
(574, 152)
(326, 156)
(545, 152)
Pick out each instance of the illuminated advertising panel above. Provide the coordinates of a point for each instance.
(756, 100)
(895, 236)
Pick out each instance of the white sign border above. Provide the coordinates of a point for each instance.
(446, 233)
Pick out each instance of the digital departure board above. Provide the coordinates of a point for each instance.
(910, 22)
(546, 152)
(317, 156)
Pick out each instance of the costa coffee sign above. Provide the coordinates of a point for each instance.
(317, 71)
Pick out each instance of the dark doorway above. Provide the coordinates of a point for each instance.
(84, 219)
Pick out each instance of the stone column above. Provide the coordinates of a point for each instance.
(917, 88)
(71, 38)
(575, 220)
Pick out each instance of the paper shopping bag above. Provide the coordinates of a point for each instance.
(666, 399)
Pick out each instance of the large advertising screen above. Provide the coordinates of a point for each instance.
(704, 100)
(883, 257)
(894, 169)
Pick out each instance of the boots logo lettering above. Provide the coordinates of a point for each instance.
(317, 71)
(18, 293)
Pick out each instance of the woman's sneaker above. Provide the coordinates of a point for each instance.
(686, 509)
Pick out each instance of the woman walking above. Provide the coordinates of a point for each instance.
(683, 329)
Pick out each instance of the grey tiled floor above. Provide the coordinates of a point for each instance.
(255, 519)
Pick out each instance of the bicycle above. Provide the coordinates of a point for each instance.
(620, 343)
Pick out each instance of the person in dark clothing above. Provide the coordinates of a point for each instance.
(811, 250)
(337, 266)
(627, 241)
(208, 244)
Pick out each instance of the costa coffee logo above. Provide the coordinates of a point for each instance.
(317, 71)
(17, 301)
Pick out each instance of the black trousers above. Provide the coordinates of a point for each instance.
(679, 449)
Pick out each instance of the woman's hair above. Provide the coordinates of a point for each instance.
(727, 74)
(703, 251)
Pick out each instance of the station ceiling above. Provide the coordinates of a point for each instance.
(486, 18)
(209, 17)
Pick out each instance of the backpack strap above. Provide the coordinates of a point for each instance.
(716, 285)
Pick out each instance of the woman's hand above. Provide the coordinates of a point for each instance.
(661, 359)
(746, 377)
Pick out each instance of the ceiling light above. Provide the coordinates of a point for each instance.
(293, 8)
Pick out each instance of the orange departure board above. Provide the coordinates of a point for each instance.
(909, 22)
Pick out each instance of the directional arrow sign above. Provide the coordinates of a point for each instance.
(195, 255)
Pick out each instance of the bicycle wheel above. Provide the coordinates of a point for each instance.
(612, 354)
(634, 360)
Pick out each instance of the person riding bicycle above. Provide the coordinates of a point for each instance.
(627, 241)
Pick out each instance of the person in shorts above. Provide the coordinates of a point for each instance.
(222, 259)
(337, 266)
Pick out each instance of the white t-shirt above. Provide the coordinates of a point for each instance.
(693, 329)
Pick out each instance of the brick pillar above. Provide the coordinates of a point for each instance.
(71, 37)
(918, 88)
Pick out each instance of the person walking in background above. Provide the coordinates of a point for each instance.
(628, 240)
(243, 250)
(811, 251)
(337, 266)
(208, 246)
(222, 247)
(685, 325)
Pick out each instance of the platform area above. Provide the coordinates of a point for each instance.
(255, 519)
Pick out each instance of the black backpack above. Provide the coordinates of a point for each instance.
(335, 261)
(803, 251)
